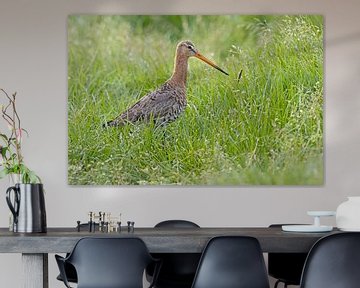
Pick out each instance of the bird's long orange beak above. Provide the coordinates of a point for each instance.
(203, 58)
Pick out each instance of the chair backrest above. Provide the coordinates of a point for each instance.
(110, 262)
(287, 267)
(333, 262)
(178, 269)
(176, 224)
(232, 262)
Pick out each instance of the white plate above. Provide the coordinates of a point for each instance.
(321, 213)
(306, 228)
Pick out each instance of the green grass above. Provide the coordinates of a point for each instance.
(266, 129)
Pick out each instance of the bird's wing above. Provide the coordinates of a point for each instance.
(164, 104)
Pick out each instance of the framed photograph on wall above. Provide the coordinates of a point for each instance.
(195, 100)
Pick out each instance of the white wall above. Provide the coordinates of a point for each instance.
(33, 62)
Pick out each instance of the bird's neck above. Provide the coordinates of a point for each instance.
(178, 77)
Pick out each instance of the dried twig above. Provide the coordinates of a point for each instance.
(14, 123)
(12, 161)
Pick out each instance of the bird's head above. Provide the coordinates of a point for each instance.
(188, 49)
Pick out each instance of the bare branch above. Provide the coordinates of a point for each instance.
(14, 123)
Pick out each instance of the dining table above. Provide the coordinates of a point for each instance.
(35, 247)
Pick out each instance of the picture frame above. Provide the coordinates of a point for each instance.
(260, 125)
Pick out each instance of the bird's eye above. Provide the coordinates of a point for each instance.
(190, 47)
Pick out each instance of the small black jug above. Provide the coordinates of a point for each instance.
(28, 208)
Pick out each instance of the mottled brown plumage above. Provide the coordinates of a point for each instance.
(167, 102)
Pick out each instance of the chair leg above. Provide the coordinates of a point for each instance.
(278, 282)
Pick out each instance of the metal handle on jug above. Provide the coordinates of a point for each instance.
(13, 208)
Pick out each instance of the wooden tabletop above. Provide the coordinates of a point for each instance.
(158, 240)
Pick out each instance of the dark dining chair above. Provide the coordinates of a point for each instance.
(108, 263)
(286, 267)
(178, 269)
(232, 262)
(70, 271)
(333, 262)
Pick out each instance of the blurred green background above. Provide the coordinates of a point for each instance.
(264, 129)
